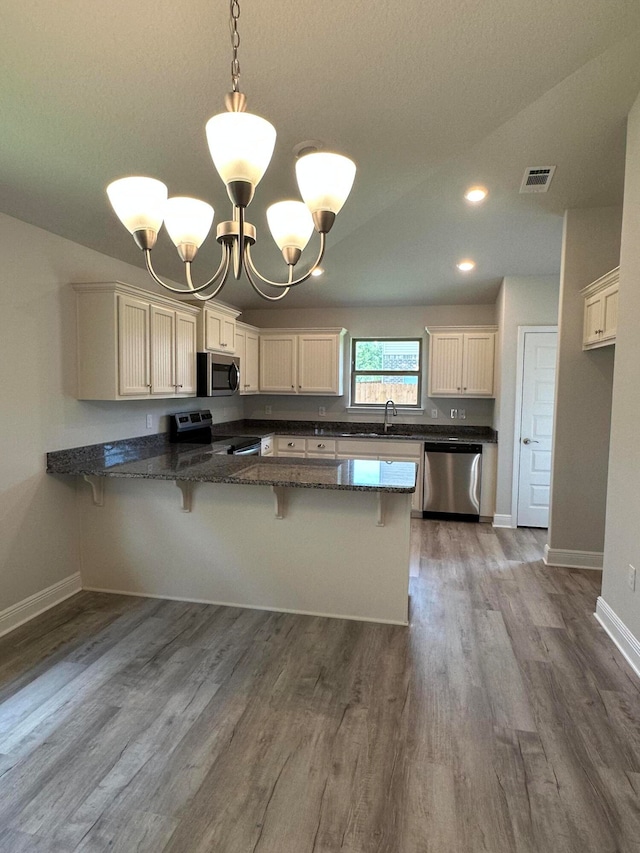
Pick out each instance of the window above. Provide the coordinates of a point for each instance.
(384, 370)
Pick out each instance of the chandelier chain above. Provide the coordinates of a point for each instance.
(234, 8)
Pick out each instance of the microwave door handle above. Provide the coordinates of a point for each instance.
(234, 377)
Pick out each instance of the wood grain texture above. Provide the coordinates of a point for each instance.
(502, 720)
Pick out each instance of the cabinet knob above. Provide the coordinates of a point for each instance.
(291, 444)
(321, 446)
(178, 386)
(465, 388)
(293, 386)
(458, 387)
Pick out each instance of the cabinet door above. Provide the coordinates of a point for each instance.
(163, 334)
(592, 319)
(609, 323)
(251, 376)
(212, 330)
(228, 335)
(445, 364)
(133, 347)
(185, 355)
(318, 360)
(278, 364)
(477, 364)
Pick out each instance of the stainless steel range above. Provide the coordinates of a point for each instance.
(195, 428)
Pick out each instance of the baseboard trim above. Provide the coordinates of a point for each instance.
(34, 605)
(244, 606)
(627, 643)
(503, 521)
(564, 559)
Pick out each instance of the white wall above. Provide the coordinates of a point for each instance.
(622, 537)
(371, 322)
(38, 536)
(522, 301)
(591, 247)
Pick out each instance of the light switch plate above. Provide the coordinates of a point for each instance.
(149, 421)
(434, 413)
(631, 577)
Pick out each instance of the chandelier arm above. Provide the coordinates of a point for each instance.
(261, 292)
(223, 268)
(222, 271)
(249, 265)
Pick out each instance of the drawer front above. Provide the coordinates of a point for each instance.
(290, 444)
(319, 446)
(379, 447)
(408, 449)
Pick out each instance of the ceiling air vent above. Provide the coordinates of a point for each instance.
(537, 179)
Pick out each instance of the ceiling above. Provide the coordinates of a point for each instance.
(427, 97)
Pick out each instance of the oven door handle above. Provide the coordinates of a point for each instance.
(248, 451)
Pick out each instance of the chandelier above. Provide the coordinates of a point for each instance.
(241, 145)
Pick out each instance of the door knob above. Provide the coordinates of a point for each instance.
(529, 441)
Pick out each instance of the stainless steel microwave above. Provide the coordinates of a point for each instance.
(218, 375)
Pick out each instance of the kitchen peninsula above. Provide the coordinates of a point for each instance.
(322, 536)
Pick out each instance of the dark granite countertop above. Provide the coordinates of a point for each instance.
(154, 458)
(350, 429)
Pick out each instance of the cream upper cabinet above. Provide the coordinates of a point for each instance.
(461, 361)
(601, 311)
(247, 350)
(320, 363)
(217, 331)
(297, 361)
(278, 363)
(132, 344)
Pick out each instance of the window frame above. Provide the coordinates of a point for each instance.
(419, 373)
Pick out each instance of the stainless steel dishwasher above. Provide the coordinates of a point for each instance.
(452, 471)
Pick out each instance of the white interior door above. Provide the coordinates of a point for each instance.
(536, 428)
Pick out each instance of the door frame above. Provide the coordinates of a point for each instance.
(517, 420)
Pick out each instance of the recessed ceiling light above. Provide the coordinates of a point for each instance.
(317, 271)
(466, 266)
(476, 194)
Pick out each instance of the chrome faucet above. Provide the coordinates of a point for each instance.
(394, 411)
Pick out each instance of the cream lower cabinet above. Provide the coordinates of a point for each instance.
(133, 345)
(461, 361)
(601, 311)
(247, 350)
(382, 451)
(296, 361)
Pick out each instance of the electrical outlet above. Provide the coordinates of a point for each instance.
(454, 413)
(631, 578)
(322, 411)
(434, 413)
(267, 410)
(462, 414)
(149, 421)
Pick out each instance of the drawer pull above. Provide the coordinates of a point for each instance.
(321, 446)
(291, 444)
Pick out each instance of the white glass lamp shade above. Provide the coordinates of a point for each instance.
(290, 224)
(325, 180)
(241, 145)
(138, 202)
(188, 220)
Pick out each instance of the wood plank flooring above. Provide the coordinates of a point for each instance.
(502, 720)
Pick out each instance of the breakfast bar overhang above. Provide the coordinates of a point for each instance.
(323, 537)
